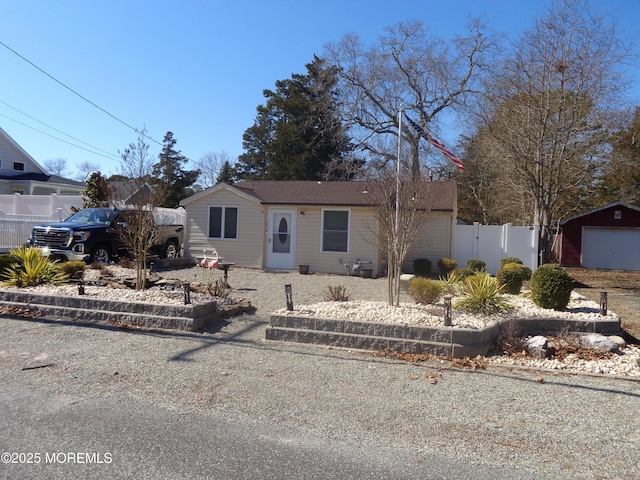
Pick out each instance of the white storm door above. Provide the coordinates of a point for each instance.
(281, 241)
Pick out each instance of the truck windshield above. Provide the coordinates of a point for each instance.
(92, 216)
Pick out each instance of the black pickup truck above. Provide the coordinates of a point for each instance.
(92, 235)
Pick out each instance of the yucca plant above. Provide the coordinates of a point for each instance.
(32, 269)
(482, 295)
(454, 281)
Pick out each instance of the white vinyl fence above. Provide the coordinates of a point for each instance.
(491, 243)
(15, 228)
(19, 213)
(38, 204)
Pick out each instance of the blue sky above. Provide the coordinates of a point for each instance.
(196, 68)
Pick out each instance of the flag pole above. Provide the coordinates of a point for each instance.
(396, 253)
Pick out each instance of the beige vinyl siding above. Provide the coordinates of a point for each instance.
(309, 240)
(245, 250)
(434, 241)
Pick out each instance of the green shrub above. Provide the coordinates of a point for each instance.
(459, 274)
(72, 268)
(512, 276)
(476, 265)
(506, 260)
(422, 267)
(551, 287)
(446, 265)
(482, 294)
(32, 269)
(336, 294)
(425, 290)
(7, 260)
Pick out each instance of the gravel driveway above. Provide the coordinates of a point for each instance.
(544, 426)
(265, 289)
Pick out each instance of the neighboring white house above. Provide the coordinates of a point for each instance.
(20, 173)
(326, 225)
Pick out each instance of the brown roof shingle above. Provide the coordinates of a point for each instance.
(299, 192)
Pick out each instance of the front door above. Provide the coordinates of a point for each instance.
(281, 241)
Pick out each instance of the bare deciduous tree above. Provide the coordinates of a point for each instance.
(140, 232)
(56, 166)
(406, 69)
(400, 205)
(209, 165)
(549, 109)
(85, 169)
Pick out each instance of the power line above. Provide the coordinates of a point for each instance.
(59, 139)
(78, 94)
(55, 129)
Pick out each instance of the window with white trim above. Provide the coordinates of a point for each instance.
(18, 166)
(223, 222)
(335, 231)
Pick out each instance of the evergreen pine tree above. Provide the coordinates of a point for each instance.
(298, 133)
(97, 192)
(171, 177)
(227, 173)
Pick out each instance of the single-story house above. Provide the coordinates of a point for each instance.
(606, 238)
(20, 173)
(328, 226)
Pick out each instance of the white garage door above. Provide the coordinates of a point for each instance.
(611, 248)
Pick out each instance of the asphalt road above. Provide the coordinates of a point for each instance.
(103, 438)
(93, 401)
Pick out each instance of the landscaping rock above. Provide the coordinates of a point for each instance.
(598, 342)
(619, 340)
(537, 346)
(405, 278)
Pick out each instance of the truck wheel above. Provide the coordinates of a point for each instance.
(100, 254)
(170, 249)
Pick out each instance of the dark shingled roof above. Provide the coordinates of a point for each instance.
(294, 192)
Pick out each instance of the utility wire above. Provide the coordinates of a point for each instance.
(79, 95)
(55, 129)
(111, 157)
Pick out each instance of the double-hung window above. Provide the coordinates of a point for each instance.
(223, 222)
(335, 231)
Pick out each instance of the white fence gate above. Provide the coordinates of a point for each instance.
(491, 243)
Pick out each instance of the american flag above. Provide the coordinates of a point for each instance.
(436, 143)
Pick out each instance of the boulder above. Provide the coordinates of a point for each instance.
(618, 339)
(595, 341)
(537, 346)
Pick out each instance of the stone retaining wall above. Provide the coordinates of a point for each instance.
(453, 342)
(91, 310)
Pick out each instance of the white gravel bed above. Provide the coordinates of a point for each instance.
(153, 295)
(265, 290)
(579, 308)
(622, 363)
